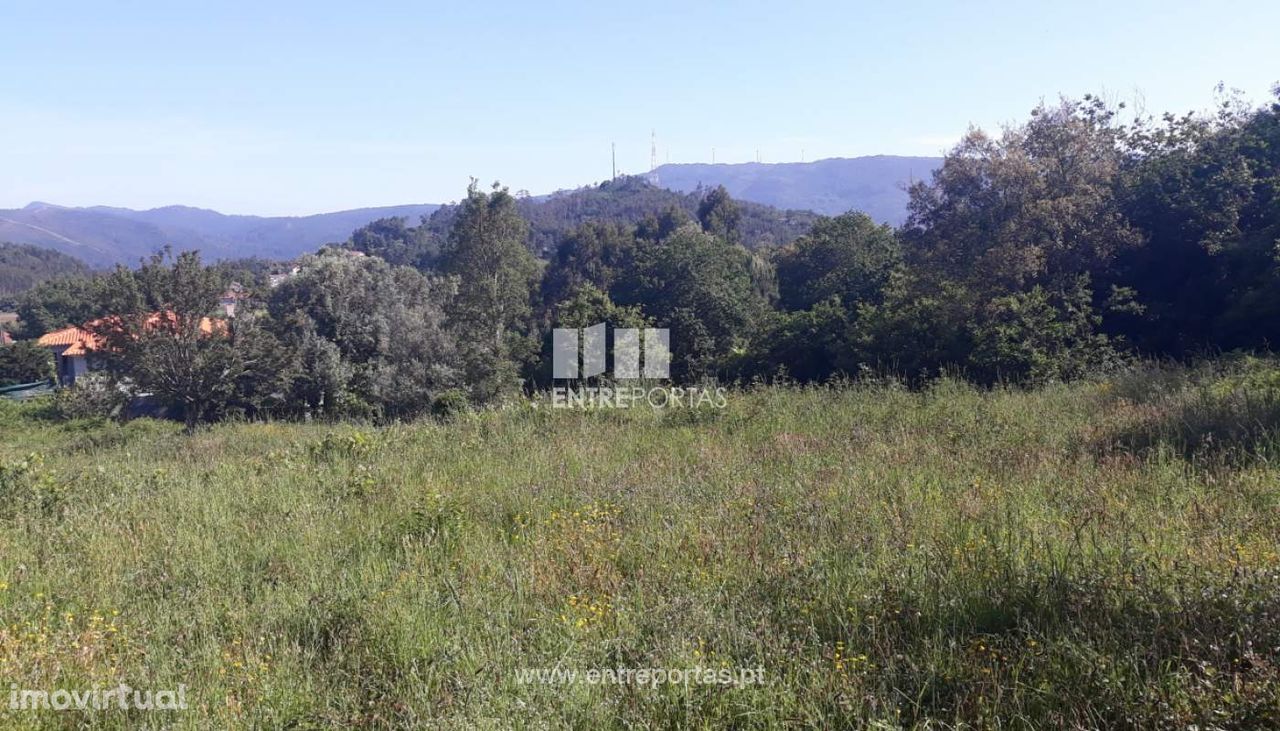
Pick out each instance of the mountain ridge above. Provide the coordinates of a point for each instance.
(107, 235)
(873, 184)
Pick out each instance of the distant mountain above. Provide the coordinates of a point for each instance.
(874, 185)
(103, 236)
(785, 194)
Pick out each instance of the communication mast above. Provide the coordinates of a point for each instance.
(653, 157)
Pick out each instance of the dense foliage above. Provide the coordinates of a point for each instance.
(363, 337)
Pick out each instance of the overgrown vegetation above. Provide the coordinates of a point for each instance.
(1100, 554)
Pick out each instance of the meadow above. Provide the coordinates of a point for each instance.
(1099, 554)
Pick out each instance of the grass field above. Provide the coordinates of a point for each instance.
(1096, 555)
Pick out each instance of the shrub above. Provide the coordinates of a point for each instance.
(342, 446)
(449, 404)
(94, 396)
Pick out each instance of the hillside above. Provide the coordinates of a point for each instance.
(629, 200)
(103, 236)
(23, 266)
(874, 185)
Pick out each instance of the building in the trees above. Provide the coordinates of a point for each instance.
(275, 279)
(74, 348)
(234, 295)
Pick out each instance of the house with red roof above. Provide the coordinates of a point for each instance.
(73, 347)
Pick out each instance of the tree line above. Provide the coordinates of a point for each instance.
(1071, 243)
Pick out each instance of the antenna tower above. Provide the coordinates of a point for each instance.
(653, 157)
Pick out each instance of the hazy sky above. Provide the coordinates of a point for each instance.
(275, 107)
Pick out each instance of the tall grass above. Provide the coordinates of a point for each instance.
(1068, 557)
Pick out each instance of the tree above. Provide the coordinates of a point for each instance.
(594, 254)
(159, 335)
(1203, 190)
(269, 368)
(849, 257)
(657, 226)
(587, 305)
(1036, 208)
(369, 338)
(1038, 335)
(720, 215)
(807, 345)
(492, 306)
(24, 362)
(701, 289)
(57, 303)
(915, 332)
(631, 201)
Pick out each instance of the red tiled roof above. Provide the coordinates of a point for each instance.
(80, 341)
(5, 338)
(76, 339)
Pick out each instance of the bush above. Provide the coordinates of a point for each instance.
(94, 396)
(341, 446)
(449, 404)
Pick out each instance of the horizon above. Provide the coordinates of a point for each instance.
(454, 201)
(294, 109)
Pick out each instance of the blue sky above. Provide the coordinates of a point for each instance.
(300, 107)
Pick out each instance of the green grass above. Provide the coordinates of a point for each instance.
(1072, 557)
